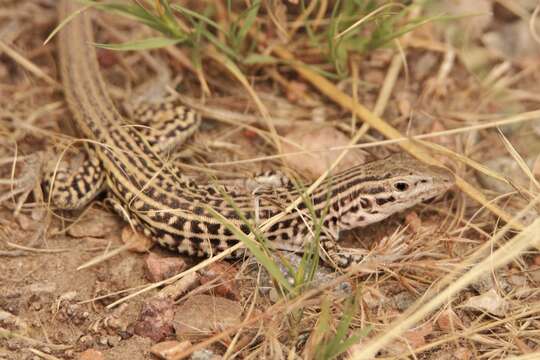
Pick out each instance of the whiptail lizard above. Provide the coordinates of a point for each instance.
(172, 209)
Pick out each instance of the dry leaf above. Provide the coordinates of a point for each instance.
(490, 302)
(449, 321)
(319, 140)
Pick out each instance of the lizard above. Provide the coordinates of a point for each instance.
(172, 209)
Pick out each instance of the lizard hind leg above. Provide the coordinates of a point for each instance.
(273, 179)
(165, 125)
(72, 189)
(134, 222)
(122, 210)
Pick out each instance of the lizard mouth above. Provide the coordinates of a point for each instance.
(434, 198)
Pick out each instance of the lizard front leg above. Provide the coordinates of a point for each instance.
(337, 256)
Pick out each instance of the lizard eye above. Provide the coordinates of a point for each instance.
(401, 186)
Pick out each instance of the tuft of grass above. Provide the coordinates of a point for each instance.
(257, 247)
(362, 26)
(331, 343)
(354, 27)
(300, 277)
(240, 27)
(305, 273)
(260, 247)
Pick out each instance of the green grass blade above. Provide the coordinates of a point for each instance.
(351, 340)
(378, 41)
(343, 327)
(192, 14)
(64, 22)
(220, 45)
(255, 248)
(260, 59)
(332, 345)
(249, 16)
(166, 25)
(169, 20)
(145, 44)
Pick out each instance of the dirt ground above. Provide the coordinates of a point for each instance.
(469, 83)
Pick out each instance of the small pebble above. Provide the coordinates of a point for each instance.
(139, 243)
(223, 276)
(156, 319)
(160, 268)
(169, 350)
(91, 354)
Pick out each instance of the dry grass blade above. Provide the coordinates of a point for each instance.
(176, 277)
(465, 160)
(526, 116)
(532, 24)
(35, 250)
(8, 334)
(515, 7)
(233, 69)
(109, 254)
(522, 164)
(388, 85)
(477, 328)
(43, 355)
(28, 65)
(531, 356)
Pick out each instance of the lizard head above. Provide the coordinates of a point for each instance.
(384, 187)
